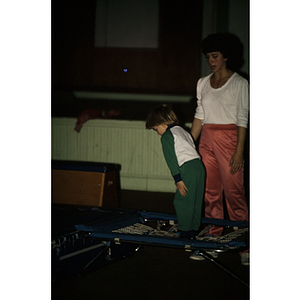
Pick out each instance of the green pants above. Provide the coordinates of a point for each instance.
(189, 207)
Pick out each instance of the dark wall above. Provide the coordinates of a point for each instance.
(173, 68)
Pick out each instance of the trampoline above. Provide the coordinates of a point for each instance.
(103, 230)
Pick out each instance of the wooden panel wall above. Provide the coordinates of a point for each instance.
(173, 68)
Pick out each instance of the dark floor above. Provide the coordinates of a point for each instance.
(157, 272)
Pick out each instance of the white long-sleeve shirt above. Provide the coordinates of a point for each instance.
(228, 104)
(178, 148)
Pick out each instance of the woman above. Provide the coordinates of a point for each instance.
(222, 119)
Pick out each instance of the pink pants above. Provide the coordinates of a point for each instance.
(217, 145)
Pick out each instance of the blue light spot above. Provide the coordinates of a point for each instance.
(125, 70)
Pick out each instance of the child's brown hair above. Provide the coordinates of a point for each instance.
(161, 115)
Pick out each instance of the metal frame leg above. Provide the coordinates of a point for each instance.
(209, 258)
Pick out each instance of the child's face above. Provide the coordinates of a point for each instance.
(160, 129)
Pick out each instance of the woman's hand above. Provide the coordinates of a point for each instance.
(236, 162)
(180, 186)
(237, 159)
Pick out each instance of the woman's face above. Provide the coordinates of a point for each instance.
(216, 61)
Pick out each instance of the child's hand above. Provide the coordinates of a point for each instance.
(181, 187)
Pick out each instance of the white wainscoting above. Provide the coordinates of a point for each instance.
(127, 143)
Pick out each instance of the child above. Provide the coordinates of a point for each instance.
(185, 165)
